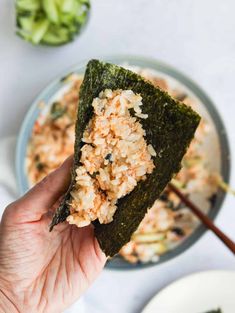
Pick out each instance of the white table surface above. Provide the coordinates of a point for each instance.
(196, 36)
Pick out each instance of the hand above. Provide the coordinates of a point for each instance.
(42, 271)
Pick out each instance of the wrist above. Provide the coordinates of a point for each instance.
(6, 305)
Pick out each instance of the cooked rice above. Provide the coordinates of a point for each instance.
(114, 159)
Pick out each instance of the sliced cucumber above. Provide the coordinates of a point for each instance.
(79, 9)
(66, 19)
(39, 29)
(67, 6)
(56, 36)
(51, 22)
(26, 23)
(81, 18)
(28, 5)
(51, 10)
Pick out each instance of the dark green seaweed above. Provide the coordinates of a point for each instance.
(170, 127)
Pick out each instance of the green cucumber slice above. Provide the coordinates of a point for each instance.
(56, 36)
(28, 5)
(39, 29)
(51, 10)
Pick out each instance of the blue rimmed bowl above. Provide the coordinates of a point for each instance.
(177, 79)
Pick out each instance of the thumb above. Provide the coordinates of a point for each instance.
(38, 200)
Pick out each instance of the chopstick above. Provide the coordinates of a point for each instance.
(204, 218)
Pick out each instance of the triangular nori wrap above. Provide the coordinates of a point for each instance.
(170, 127)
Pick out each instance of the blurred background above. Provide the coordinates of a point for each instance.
(195, 36)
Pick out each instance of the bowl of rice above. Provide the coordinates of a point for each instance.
(47, 136)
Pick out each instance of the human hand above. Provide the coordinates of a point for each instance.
(42, 271)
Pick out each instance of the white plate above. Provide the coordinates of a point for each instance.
(197, 293)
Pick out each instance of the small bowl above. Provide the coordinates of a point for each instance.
(80, 32)
(165, 71)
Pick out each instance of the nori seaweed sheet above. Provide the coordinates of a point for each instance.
(170, 127)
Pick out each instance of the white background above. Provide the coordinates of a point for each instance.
(198, 38)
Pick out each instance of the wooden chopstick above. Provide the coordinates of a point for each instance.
(204, 218)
